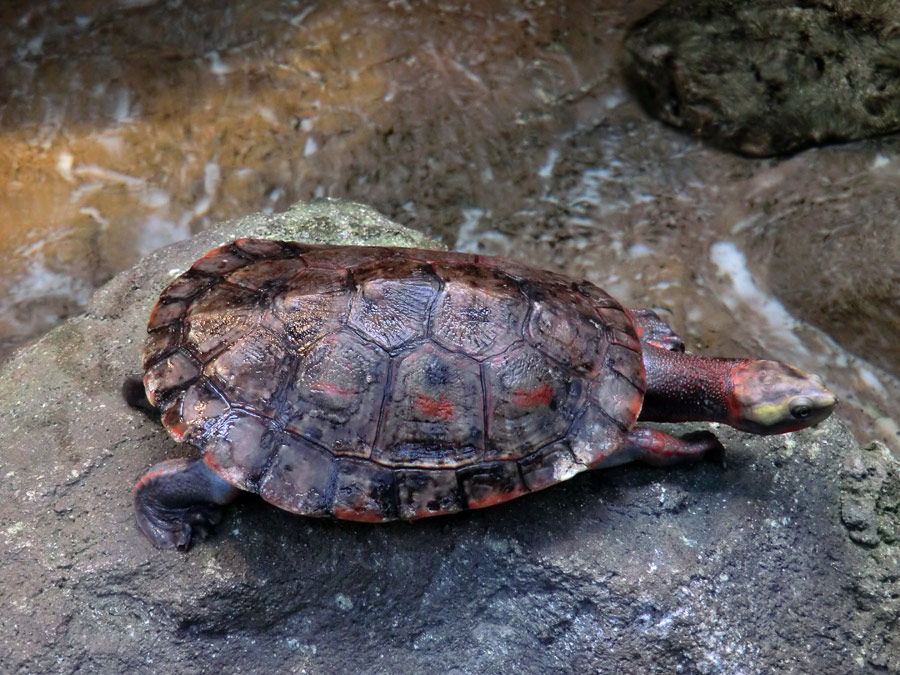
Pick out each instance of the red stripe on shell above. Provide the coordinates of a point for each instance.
(358, 516)
(438, 408)
(531, 398)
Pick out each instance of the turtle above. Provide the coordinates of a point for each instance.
(376, 384)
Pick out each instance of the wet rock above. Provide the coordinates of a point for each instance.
(770, 76)
(830, 246)
(743, 568)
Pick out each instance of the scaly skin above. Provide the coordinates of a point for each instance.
(756, 396)
(760, 397)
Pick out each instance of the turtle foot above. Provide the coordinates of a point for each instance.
(178, 502)
(178, 528)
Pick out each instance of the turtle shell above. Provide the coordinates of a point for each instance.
(372, 384)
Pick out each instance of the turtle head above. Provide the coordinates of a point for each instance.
(770, 397)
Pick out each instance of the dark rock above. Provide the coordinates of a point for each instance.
(870, 510)
(699, 569)
(770, 76)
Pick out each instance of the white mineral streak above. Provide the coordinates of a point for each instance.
(546, 171)
(64, 165)
(871, 380)
(122, 111)
(468, 235)
(746, 296)
(593, 192)
(158, 232)
(212, 177)
(39, 280)
(103, 174)
(216, 65)
(615, 98)
(639, 250)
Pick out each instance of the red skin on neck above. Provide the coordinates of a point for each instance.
(689, 388)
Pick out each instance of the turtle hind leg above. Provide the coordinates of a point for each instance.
(660, 449)
(178, 501)
(654, 331)
(136, 396)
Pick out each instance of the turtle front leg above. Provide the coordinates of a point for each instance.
(654, 331)
(659, 449)
(179, 500)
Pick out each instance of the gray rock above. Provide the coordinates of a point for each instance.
(770, 76)
(782, 561)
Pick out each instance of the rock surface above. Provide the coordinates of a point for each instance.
(847, 279)
(785, 560)
(771, 76)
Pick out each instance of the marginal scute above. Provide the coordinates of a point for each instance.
(490, 483)
(627, 340)
(170, 373)
(434, 417)
(627, 363)
(522, 272)
(166, 313)
(347, 257)
(299, 478)
(264, 248)
(615, 317)
(267, 275)
(599, 298)
(221, 261)
(160, 342)
(530, 402)
(335, 397)
(192, 413)
(617, 397)
(428, 255)
(594, 437)
(187, 286)
(550, 465)
(427, 492)
(364, 491)
(237, 448)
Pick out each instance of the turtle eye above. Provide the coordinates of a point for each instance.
(801, 408)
